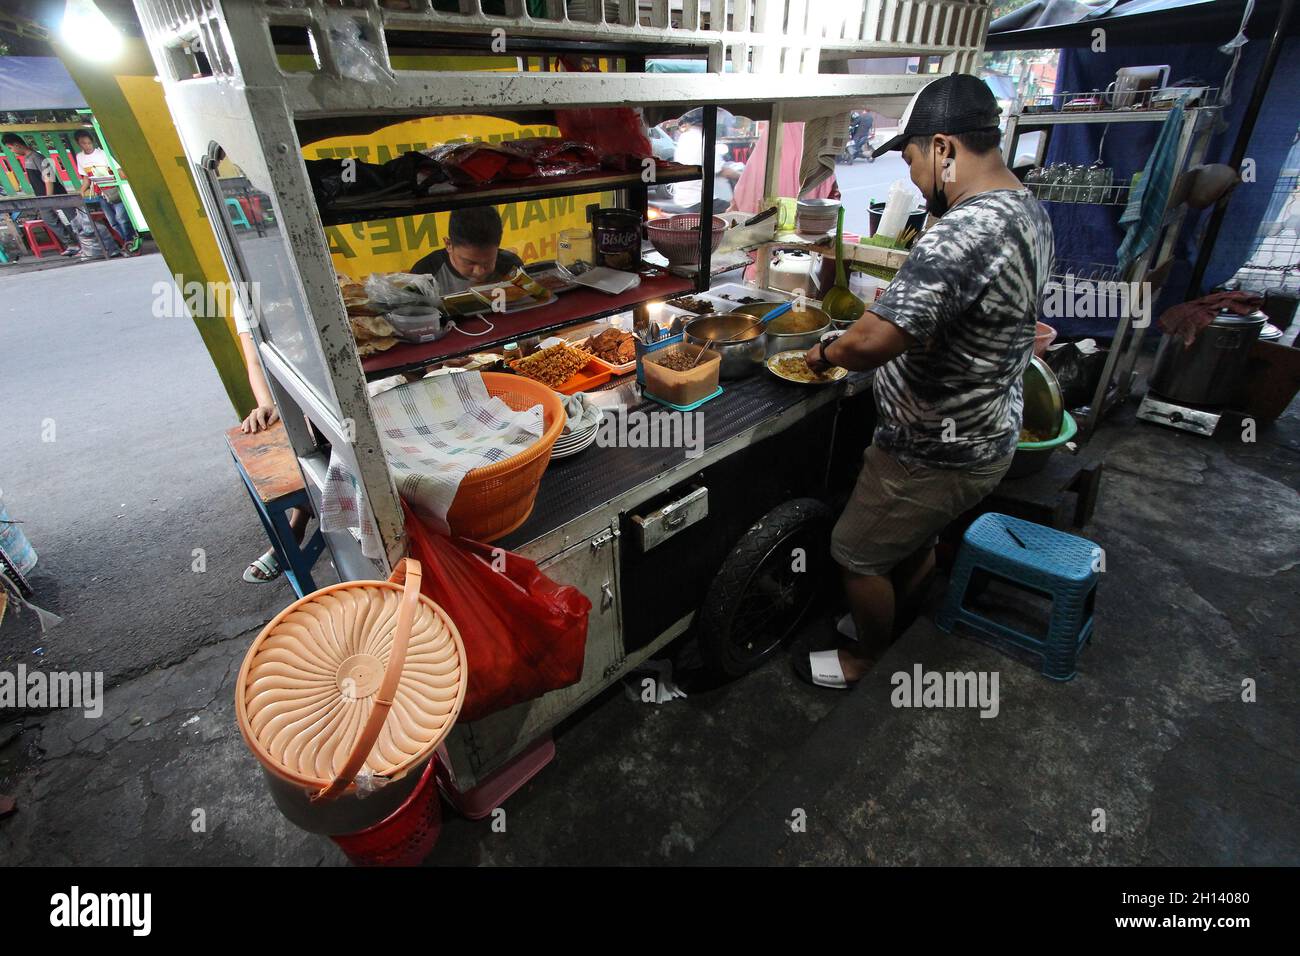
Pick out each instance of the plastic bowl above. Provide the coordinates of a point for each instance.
(1044, 335)
(1031, 456)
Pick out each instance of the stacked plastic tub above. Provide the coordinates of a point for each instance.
(343, 699)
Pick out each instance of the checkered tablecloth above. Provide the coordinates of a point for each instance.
(433, 432)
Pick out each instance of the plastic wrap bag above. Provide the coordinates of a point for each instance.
(524, 634)
(357, 57)
(554, 156)
(475, 163)
(618, 134)
(388, 290)
(1078, 367)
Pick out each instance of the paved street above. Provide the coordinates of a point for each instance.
(862, 183)
(115, 463)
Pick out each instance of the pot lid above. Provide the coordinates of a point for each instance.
(1044, 407)
(310, 680)
(1228, 317)
(1269, 332)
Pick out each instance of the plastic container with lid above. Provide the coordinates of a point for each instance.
(344, 696)
(685, 387)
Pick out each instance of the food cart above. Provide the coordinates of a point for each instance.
(659, 541)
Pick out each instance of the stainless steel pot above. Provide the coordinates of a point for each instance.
(794, 330)
(740, 357)
(1208, 372)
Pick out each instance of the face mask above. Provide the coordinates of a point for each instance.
(939, 204)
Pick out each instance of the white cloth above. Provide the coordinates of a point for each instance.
(436, 430)
(433, 431)
(582, 413)
(344, 508)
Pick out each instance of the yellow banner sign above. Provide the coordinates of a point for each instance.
(394, 245)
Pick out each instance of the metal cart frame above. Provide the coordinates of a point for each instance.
(784, 60)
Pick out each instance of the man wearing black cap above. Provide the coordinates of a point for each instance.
(949, 339)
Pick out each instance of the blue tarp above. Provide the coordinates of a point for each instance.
(29, 83)
(1091, 233)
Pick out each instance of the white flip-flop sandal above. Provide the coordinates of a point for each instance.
(268, 564)
(825, 670)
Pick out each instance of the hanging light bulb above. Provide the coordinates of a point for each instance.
(88, 33)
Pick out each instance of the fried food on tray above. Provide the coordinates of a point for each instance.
(371, 346)
(796, 367)
(553, 366)
(373, 333)
(552, 281)
(613, 346)
(692, 304)
(355, 299)
(367, 327)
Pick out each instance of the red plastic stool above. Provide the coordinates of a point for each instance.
(49, 244)
(99, 217)
(407, 835)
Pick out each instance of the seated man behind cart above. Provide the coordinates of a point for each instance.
(950, 339)
(472, 254)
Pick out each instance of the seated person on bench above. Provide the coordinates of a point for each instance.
(265, 567)
(472, 254)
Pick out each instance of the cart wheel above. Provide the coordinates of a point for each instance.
(765, 586)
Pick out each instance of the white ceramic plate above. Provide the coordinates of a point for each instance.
(834, 375)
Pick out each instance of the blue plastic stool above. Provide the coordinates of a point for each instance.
(1030, 555)
(237, 217)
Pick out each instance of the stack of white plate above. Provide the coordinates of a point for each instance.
(573, 442)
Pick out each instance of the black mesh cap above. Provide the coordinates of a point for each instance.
(959, 103)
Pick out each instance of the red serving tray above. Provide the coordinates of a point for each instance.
(589, 376)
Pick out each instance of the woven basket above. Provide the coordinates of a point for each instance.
(494, 500)
(677, 238)
(360, 678)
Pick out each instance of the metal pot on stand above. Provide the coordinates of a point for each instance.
(1207, 372)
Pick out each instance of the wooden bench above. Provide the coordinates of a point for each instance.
(269, 468)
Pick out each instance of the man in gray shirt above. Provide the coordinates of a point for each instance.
(472, 254)
(949, 340)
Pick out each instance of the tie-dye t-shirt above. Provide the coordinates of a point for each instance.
(968, 294)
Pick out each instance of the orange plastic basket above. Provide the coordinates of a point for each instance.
(494, 500)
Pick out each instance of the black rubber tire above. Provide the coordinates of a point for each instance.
(803, 520)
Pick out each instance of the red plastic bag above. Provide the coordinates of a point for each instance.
(618, 133)
(524, 634)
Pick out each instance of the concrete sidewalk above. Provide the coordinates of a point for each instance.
(1203, 551)
(1202, 544)
(115, 462)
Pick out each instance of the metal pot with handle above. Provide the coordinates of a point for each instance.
(1208, 371)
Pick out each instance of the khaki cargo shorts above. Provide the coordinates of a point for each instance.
(898, 509)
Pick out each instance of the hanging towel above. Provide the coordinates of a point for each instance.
(1145, 211)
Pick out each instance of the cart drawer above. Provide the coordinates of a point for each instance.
(656, 527)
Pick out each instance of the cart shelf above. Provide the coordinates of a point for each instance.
(364, 209)
(318, 96)
(571, 308)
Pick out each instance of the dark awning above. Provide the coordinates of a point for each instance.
(37, 83)
(1058, 24)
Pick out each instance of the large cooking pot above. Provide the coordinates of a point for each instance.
(740, 357)
(1207, 372)
(794, 330)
